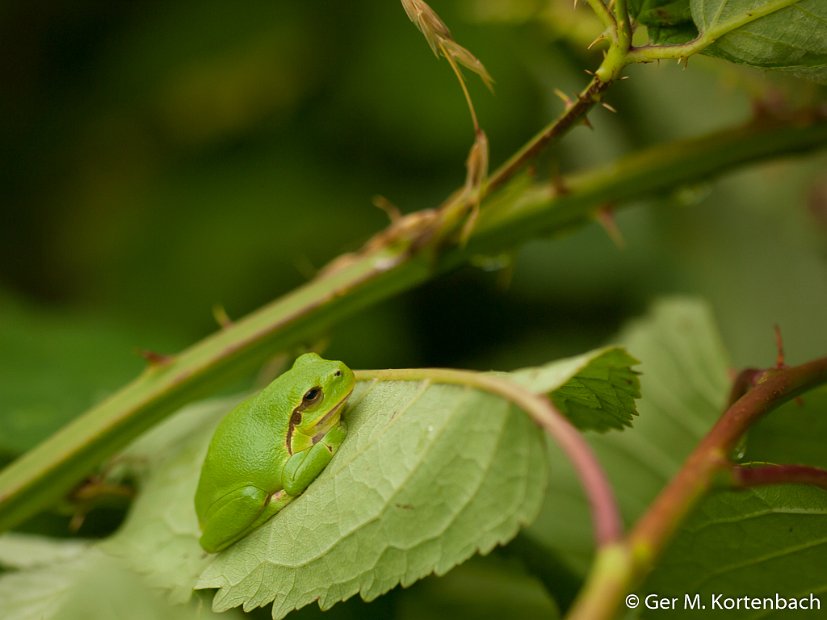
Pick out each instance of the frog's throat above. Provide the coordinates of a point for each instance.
(324, 424)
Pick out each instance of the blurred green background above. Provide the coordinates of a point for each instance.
(161, 158)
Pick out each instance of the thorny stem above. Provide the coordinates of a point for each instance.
(586, 100)
(620, 54)
(608, 526)
(405, 255)
(620, 35)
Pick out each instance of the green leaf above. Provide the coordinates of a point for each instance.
(39, 586)
(159, 538)
(749, 543)
(660, 12)
(22, 551)
(429, 475)
(595, 391)
(667, 21)
(792, 38)
(602, 394)
(70, 580)
(684, 386)
(795, 433)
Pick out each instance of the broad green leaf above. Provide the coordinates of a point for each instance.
(660, 12)
(429, 475)
(684, 386)
(749, 543)
(21, 551)
(159, 538)
(667, 21)
(792, 38)
(70, 580)
(38, 591)
(796, 433)
(595, 391)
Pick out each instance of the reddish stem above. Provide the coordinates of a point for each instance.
(745, 476)
(770, 389)
(757, 392)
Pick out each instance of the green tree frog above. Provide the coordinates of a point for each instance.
(268, 450)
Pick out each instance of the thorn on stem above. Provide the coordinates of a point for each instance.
(563, 97)
(76, 522)
(476, 176)
(390, 209)
(605, 216)
(779, 346)
(558, 183)
(221, 317)
(154, 359)
(600, 38)
(608, 107)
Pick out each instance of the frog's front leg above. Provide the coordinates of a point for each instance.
(238, 513)
(304, 467)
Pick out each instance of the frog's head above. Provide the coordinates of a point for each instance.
(321, 388)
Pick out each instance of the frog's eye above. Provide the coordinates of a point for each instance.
(311, 396)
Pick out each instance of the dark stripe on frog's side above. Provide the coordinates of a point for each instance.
(296, 419)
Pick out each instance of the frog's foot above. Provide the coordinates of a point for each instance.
(277, 501)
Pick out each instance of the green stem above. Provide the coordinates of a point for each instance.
(609, 70)
(650, 53)
(574, 113)
(604, 15)
(624, 28)
(609, 576)
(541, 209)
(396, 260)
(608, 525)
(615, 59)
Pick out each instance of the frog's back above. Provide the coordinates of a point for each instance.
(246, 450)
